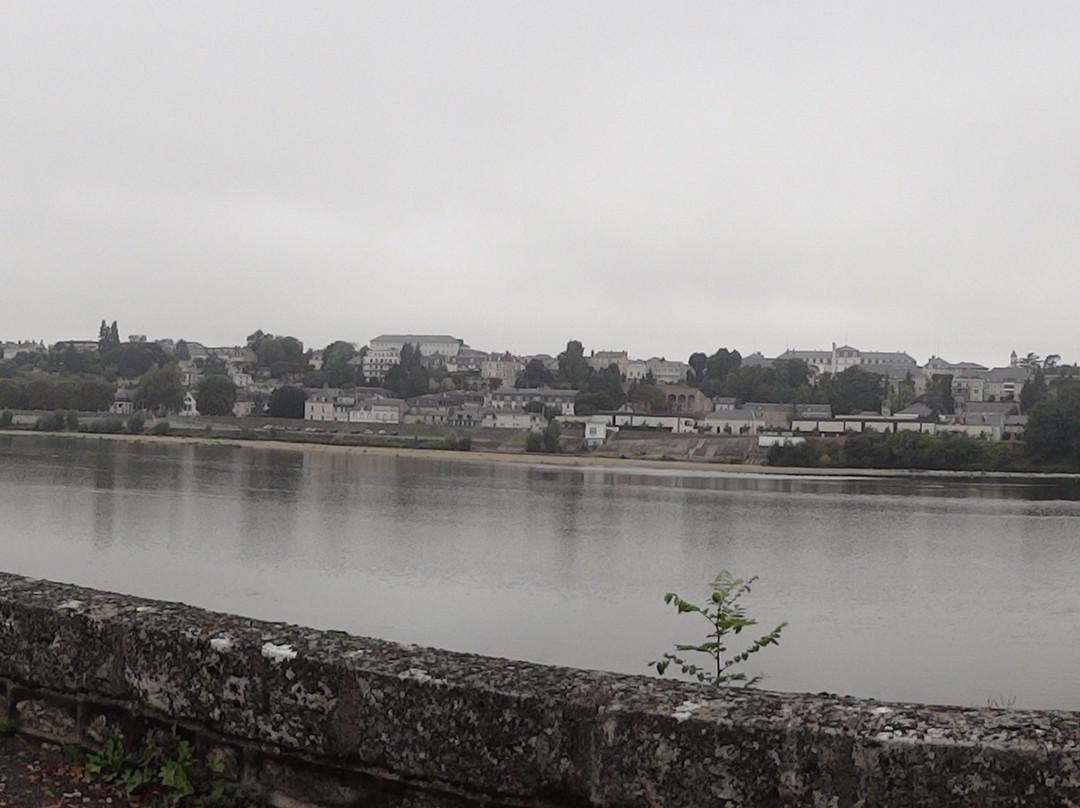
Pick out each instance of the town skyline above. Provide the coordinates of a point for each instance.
(921, 359)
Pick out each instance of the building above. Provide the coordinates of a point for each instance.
(602, 360)
(9, 350)
(683, 398)
(518, 419)
(385, 350)
(502, 366)
(663, 371)
(597, 431)
(507, 397)
(891, 364)
(383, 411)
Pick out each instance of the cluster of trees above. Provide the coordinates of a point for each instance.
(56, 393)
(281, 355)
(902, 450)
(1052, 433)
(785, 381)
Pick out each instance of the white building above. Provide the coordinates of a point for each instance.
(502, 366)
(507, 397)
(892, 364)
(385, 350)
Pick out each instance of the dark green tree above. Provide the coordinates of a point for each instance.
(1052, 434)
(699, 363)
(719, 365)
(215, 395)
(534, 375)
(160, 390)
(96, 395)
(408, 378)
(573, 369)
(550, 437)
(287, 402)
(854, 390)
(108, 337)
(645, 396)
(336, 367)
(132, 359)
(1033, 391)
(938, 396)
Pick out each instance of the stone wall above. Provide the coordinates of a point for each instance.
(330, 719)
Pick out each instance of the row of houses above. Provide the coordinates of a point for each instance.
(506, 407)
(984, 420)
(443, 350)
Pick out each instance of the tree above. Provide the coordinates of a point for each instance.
(287, 402)
(1033, 391)
(904, 394)
(1052, 433)
(108, 337)
(938, 396)
(408, 378)
(550, 437)
(573, 368)
(534, 375)
(646, 396)
(132, 359)
(698, 362)
(854, 390)
(336, 367)
(160, 390)
(215, 395)
(96, 395)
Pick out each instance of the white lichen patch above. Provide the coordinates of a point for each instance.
(71, 604)
(222, 644)
(882, 711)
(684, 710)
(418, 675)
(145, 609)
(278, 653)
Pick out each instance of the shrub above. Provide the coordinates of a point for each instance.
(135, 423)
(160, 428)
(50, 422)
(726, 616)
(6, 417)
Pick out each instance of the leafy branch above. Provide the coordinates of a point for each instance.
(727, 616)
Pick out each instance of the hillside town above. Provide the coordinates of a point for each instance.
(438, 380)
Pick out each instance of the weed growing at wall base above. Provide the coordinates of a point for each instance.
(169, 773)
(726, 616)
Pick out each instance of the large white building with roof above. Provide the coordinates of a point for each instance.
(893, 364)
(385, 350)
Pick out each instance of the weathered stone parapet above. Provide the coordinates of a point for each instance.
(334, 719)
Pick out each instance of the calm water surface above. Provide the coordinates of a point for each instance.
(953, 592)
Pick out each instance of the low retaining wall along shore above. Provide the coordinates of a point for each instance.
(325, 718)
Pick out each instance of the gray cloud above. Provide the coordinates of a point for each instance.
(660, 177)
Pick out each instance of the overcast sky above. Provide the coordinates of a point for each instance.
(660, 177)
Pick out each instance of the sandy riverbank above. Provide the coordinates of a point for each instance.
(537, 459)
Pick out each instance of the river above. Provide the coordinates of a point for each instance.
(954, 591)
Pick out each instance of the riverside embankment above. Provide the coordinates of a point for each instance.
(665, 452)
